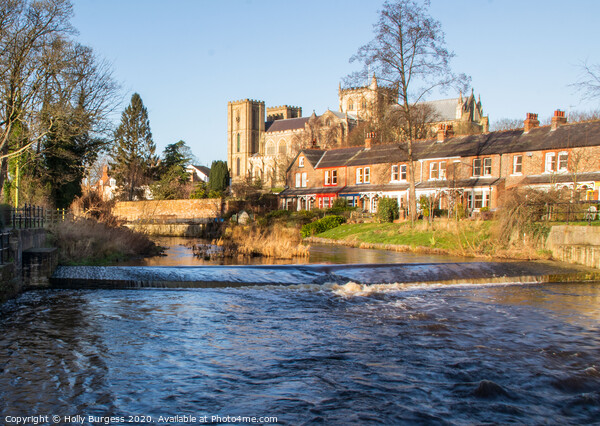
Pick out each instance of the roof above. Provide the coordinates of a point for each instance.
(309, 191)
(203, 169)
(285, 125)
(494, 143)
(355, 189)
(445, 109)
(549, 178)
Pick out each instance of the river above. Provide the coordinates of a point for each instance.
(306, 354)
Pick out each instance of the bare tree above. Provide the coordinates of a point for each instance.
(409, 52)
(588, 84)
(507, 124)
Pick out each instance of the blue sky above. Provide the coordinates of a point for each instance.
(188, 58)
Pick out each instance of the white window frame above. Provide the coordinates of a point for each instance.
(298, 180)
(327, 178)
(480, 166)
(559, 162)
(359, 175)
(304, 179)
(301, 162)
(395, 173)
(334, 177)
(367, 175)
(442, 172)
(517, 163)
(403, 172)
(487, 168)
(550, 162)
(434, 170)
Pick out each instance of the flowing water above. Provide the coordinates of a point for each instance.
(332, 354)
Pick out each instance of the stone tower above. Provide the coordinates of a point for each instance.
(367, 102)
(245, 126)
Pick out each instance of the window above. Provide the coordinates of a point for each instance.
(478, 200)
(403, 172)
(442, 170)
(550, 161)
(367, 175)
(301, 162)
(297, 180)
(517, 164)
(282, 148)
(487, 166)
(433, 170)
(112, 182)
(330, 177)
(477, 167)
(350, 106)
(304, 179)
(395, 173)
(563, 160)
(239, 144)
(359, 175)
(364, 104)
(270, 148)
(237, 167)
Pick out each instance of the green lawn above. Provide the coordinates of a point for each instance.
(446, 235)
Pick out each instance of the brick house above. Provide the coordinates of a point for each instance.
(472, 170)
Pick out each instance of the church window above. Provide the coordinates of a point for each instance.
(237, 167)
(282, 148)
(270, 148)
(364, 104)
(239, 145)
(350, 105)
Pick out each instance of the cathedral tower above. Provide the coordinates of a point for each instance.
(245, 127)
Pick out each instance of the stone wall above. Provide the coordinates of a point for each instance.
(171, 211)
(575, 244)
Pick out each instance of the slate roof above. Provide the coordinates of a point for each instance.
(445, 109)
(313, 155)
(503, 142)
(287, 124)
(355, 189)
(203, 169)
(561, 178)
(463, 183)
(290, 192)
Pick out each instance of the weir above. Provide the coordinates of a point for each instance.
(127, 277)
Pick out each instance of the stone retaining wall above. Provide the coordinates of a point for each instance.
(575, 244)
(169, 210)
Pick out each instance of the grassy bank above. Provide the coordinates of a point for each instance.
(465, 238)
(89, 242)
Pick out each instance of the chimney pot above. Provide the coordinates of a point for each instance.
(558, 120)
(530, 122)
(369, 140)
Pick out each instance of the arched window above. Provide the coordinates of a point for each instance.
(237, 167)
(270, 148)
(282, 147)
(350, 105)
(239, 145)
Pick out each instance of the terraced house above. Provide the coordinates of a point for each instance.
(469, 171)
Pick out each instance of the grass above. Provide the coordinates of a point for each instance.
(276, 241)
(89, 242)
(467, 238)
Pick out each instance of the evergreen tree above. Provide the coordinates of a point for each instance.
(218, 179)
(173, 178)
(134, 159)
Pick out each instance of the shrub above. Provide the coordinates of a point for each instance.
(387, 210)
(322, 225)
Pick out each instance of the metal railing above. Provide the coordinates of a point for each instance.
(4, 247)
(576, 211)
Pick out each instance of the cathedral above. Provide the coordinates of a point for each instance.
(261, 142)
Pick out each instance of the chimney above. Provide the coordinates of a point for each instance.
(444, 131)
(558, 120)
(530, 122)
(369, 140)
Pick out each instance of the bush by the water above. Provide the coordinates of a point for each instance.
(322, 225)
(87, 241)
(387, 210)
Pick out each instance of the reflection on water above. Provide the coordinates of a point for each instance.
(339, 354)
(179, 253)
